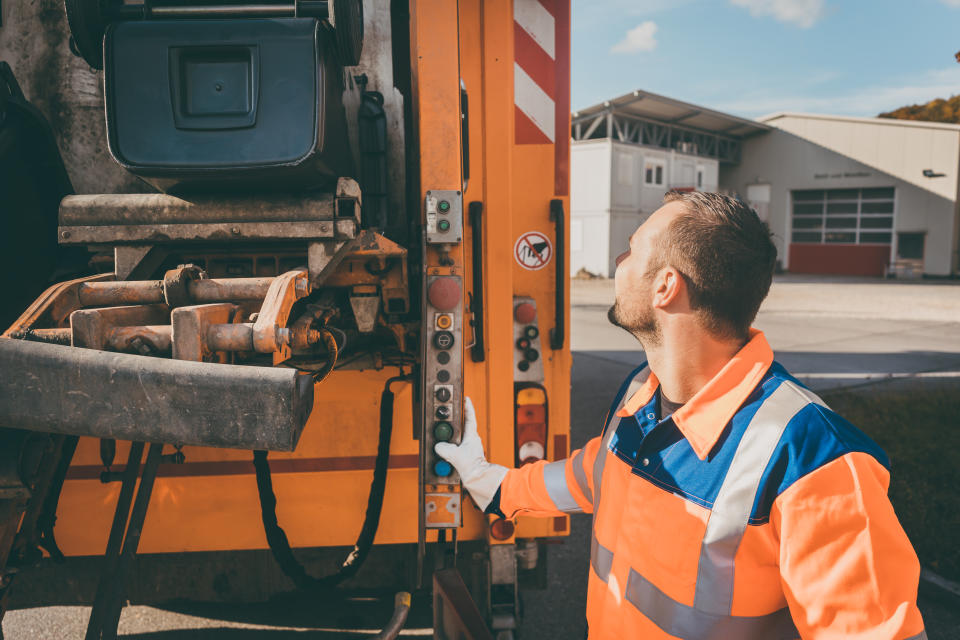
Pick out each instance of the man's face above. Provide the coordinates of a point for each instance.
(637, 268)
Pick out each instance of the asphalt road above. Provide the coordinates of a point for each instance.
(831, 333)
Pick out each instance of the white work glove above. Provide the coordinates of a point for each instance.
(479, 477)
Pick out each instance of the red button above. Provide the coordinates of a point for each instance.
(525, 313)
(444, 293)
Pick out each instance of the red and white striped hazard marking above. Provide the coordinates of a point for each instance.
(541, 77)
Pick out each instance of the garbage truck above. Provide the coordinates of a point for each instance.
(257, 256)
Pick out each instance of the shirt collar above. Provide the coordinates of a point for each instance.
(702, 419)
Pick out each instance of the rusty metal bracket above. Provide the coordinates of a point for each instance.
(175, 281)
(270, 332)
(139, 329)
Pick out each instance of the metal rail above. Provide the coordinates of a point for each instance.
(302, 8)
(106, 294)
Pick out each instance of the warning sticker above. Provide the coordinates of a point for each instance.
(533, 250)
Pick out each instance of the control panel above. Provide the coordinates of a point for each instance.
(442, 364)
(444, 216)
(527, 363)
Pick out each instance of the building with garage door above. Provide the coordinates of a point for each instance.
(856, 196)
(627, 153)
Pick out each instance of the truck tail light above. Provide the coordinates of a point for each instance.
(531, 422)
(502, 529)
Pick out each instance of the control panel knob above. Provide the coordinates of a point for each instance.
(442, 468)
(444, 293)
(442, 431)
(444, 412)
(525, 313)
(443, 340)
(443, 394)
(531, 354)
(531, 332)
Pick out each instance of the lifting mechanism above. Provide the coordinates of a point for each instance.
(308, 237)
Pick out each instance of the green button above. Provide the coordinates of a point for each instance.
(444, 206)
(443, 225)
(442, 431)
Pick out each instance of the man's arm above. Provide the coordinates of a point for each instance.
(551, 488)
(540, 488)
(847, 567)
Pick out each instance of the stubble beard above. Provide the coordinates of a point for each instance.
(642, 324)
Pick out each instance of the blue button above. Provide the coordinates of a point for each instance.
(442, 468)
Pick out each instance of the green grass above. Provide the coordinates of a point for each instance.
(919, 428)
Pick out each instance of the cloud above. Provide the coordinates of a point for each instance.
(641, 38)
(802, 13)
(951, 3)
(864, 101)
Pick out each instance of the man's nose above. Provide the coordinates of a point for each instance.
(622, 257)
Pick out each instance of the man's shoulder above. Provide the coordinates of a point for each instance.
(813, 437)
(816, 434)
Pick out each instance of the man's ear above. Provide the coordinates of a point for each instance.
(667, 287)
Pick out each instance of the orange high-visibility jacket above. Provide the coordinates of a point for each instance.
(753, 512)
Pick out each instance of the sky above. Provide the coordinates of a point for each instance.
(756, 57)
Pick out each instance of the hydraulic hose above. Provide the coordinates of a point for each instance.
(277, 538)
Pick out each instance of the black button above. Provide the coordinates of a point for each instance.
(523, 365)
(444, 412)
(443, 358)
(443, 394)
(531, 332)
(531, 355)
(443, 375)
(523, 343)
(443, 339)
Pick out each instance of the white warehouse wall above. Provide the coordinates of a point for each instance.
(787, 162)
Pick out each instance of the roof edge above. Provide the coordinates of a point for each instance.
(756, 125)
(896, 122)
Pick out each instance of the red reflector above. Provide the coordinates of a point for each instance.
(536, 431)
(560, 523)
(559, 446)
(531, 413)
(502, 529)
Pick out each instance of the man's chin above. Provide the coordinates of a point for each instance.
(613, 317)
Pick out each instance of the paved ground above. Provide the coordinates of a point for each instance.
(835, 332)
(828, 332)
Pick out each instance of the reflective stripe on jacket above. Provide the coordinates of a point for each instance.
(753, 512)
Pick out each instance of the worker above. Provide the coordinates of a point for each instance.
(728, 500)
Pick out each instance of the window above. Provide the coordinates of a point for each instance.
(843, 216)
(653, 174)
(910, 246)
(699, 177)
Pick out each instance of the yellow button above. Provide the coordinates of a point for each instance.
(444, 321)
(531, 395)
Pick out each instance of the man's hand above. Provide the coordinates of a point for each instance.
(479, 477)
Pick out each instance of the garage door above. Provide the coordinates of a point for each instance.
(841, 231)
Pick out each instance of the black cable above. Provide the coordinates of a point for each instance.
(277, 538)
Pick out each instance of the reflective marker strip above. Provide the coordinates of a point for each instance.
(581, 476)
(684, 621)
(731, 509)
(601, 458)
(601, 559)
(554, 477)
